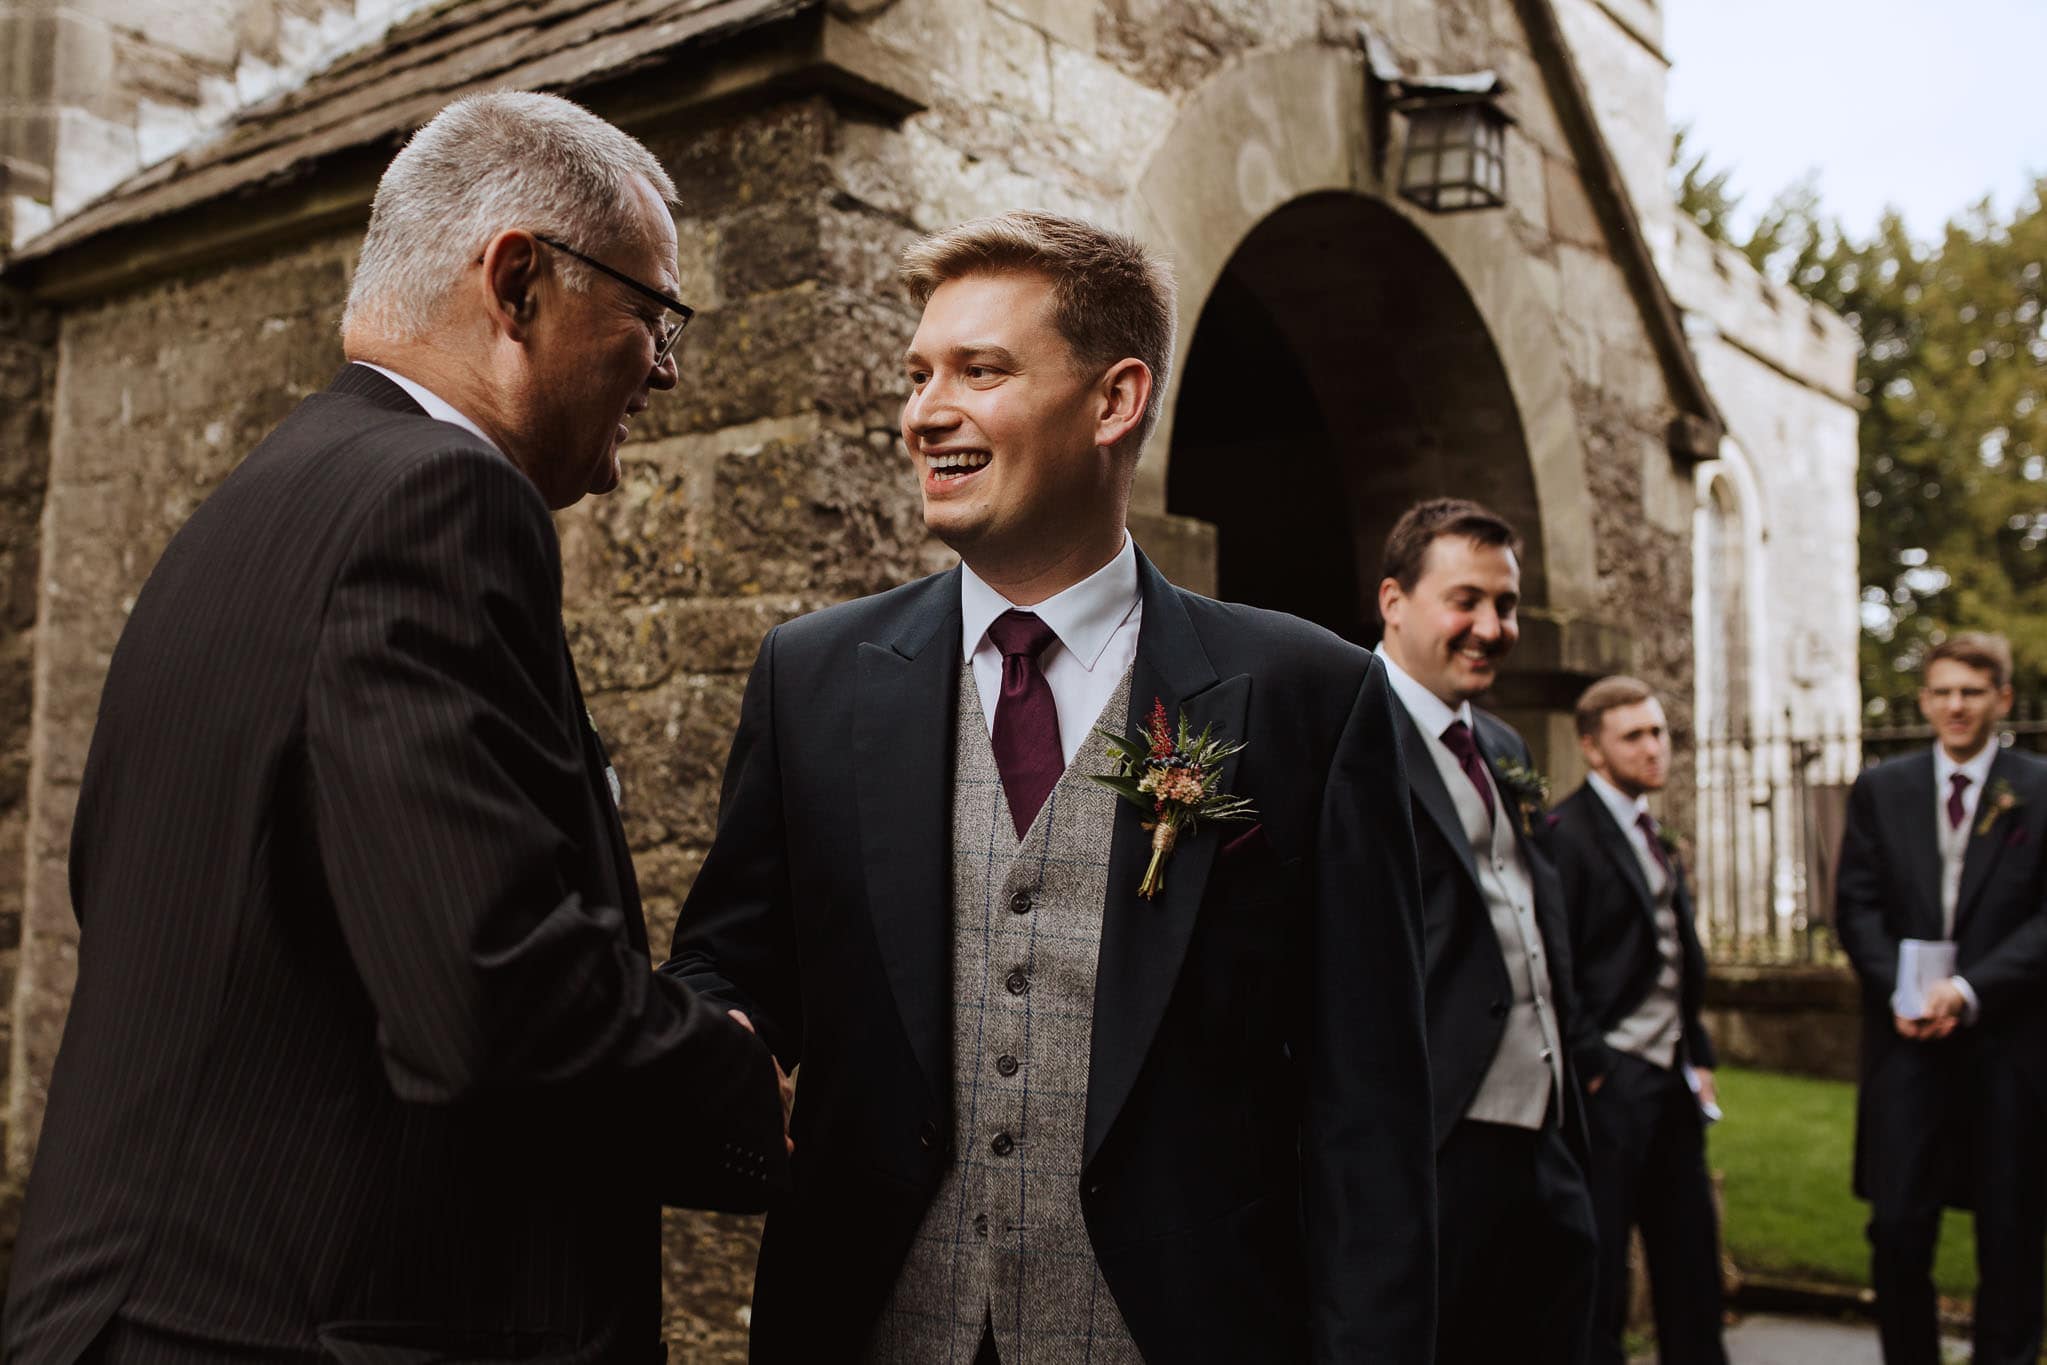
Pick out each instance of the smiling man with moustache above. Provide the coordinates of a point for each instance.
(367, 1059)
(1516, 1230)
(1042, 1117)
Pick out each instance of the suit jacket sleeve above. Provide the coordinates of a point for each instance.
(735, 940)
(1865, 880)
(451, 796)
(1368, 1148)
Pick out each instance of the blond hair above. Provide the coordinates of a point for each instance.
(1111, 298)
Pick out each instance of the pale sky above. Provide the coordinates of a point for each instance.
(1924, 105)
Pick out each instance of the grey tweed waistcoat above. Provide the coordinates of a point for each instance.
(1004, 1241)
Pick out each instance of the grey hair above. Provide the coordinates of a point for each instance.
(505, 159)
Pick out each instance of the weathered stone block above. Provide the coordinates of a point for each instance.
(743, 361)
(708, 1261)
(669, 745)
(723, 167)
(665, 874)
(643, 645)
(769, 248)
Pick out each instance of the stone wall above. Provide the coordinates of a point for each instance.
(27, 373)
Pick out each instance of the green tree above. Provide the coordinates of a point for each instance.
(1954, 442)
(1701, 191)
(1953, 477)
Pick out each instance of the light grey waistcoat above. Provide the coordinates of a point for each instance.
(1004, 1241)
(1528, 1069)
(1653, 1031)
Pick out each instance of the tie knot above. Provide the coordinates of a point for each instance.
(1646, 823)
(1457, 739)
(1020, 633)
(1960, 782)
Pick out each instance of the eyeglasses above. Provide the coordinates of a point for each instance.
(665, 336)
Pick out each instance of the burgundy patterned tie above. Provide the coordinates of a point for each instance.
(1026, 739)
(1457, 739)
(1646, 822)
(1955, 809)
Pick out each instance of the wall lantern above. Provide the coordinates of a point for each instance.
(1454, 156)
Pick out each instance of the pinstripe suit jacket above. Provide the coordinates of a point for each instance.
(1256, 1173)
(366, 1060)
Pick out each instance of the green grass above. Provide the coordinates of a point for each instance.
(1786, 1151)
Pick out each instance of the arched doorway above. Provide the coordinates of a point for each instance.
(1339, 371)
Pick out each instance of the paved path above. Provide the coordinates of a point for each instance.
(1767, 1339)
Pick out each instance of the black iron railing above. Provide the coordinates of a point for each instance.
(1767, 830)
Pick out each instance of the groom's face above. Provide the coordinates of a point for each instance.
(1001, 422)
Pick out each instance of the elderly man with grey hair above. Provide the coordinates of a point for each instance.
(367, 1061)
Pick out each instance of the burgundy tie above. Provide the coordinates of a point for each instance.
(1646, 822)
(1457, 739)
(1955, 809)
(1026, 739)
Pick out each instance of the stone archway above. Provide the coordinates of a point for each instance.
(1282, 136)
(1338, 373)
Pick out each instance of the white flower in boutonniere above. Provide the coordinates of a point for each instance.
(1173, 777)
(1999, 799)
(1527, 788)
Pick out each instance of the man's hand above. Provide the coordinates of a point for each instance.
(1925, 1030)
(1709, 1094)
(783, 1085)
(1945, 1001)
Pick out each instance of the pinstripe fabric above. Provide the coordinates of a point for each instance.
(1004, 1240)
(365, 1055)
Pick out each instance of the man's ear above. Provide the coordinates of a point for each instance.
(1389, 596)
(512, 271)
(1125, 390)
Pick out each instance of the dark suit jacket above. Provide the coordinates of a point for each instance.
(1256, 1175)
(1889, 889)
(1612, 914)
(1469, 992)
(366, 1052)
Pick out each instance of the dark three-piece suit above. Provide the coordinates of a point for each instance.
(1641, 978)
(1958, 1121)
(1035, 1110)
(366, 1061)
(1515, 1226)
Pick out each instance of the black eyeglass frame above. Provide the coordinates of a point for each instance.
(675, 306)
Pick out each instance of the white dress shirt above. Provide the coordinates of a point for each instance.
(1096, 623)
(1627, 812)
(437, 407)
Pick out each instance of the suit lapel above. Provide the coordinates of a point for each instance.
(1912, 815)
(1144, 942)
(1426, 782)
(1620, 850)
(907, 690)
(1983, 848)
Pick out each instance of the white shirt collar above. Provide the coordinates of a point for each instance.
(1626, 810)
(1978, 768)
(1431, 713)
(1084, 616)
(437, 407)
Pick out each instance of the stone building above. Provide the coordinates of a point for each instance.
(1342, 350)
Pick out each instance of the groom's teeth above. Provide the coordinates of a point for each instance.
(960, 460)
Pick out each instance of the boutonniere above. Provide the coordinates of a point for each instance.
(1172, 775)
(1999, 799)
(1527, 788)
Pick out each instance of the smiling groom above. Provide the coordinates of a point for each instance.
(1042, 1117)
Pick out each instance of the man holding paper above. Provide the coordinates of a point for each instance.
(1942, 905)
